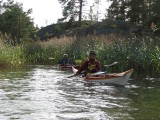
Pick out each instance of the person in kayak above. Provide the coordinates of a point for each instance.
(91, 65)
(65, 60)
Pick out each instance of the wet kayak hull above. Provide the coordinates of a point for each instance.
(114, 78)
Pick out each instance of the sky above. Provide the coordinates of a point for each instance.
(46, 12)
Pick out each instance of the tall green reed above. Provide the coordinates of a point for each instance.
(11, 57)
(141, 54)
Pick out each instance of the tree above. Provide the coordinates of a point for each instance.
(72, 9)
(91, 14)
(113, 10)
(95, 10)
(16, 22)
(155, 7)
(97, 5)
(136, 11)
(117, 10)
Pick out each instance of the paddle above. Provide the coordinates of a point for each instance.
(82, 73)
(71, 76)
(75, 70)
(107, 66)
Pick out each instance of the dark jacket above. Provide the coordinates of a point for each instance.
(64, 61)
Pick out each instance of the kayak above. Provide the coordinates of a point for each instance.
(67, 67)
(110, 78)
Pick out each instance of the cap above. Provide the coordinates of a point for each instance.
(65, 55)
(92, 53)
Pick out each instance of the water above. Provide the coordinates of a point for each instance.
(44, 93)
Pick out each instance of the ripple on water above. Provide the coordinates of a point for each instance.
(46, 93)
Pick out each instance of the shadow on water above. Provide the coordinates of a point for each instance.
(43, 92)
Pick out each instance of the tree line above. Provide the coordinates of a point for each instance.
(74, 10)
(18, 26)
(144, 12)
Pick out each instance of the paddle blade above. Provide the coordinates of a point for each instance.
(110, 64)
(74, 70)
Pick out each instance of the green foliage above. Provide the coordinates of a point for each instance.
(86, 28)
(54, 30)
(11, 57)
(36, 53)
(71, 9)
(32, 53)
(141, 54)
(16, 22)
(135, 11)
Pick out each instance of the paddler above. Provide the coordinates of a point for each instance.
(65, 60)
(91, 65)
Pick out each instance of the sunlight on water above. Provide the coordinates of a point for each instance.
(44, 93)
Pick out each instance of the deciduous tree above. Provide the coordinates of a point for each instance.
(16, 22)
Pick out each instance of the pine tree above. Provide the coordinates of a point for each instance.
(72, 9)
(117, 10)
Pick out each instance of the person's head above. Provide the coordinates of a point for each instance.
(65, 55)
(92, 54)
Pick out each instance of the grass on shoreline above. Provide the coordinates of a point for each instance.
(141, 54)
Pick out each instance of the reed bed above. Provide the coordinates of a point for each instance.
(141, 54)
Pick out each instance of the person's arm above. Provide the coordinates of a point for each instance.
(83, 67)
(98, 66)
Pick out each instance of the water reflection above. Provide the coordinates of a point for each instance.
(43, 92)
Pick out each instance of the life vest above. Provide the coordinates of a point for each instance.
(91, 66)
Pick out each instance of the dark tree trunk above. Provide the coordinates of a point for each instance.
(80, 12)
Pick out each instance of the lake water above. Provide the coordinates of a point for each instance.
(44, 93)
